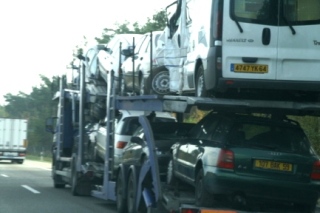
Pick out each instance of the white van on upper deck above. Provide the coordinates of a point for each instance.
(222, 45)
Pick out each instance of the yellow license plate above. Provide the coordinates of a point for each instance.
(250, 68)
(273, 165)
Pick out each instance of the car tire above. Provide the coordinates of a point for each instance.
(200, 85)
(121, 195)
(20, 162)
(171, 179)
(202, 196)
(131, 192)
(160, 81)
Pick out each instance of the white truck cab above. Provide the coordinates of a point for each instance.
(243, 45)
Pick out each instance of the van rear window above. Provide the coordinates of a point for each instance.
(276, 13)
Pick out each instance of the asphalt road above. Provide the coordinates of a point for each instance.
(28, 188)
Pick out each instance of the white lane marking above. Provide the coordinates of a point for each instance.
(44, 168)
(3, 175)
(30, 189)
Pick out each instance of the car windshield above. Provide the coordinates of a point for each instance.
(285, 138)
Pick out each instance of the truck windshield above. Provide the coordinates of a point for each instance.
(276, 13)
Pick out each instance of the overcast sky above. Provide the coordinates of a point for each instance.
(38, 36)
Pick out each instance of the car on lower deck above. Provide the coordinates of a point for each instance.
(136, 152)
(126, 123)
(248, 159)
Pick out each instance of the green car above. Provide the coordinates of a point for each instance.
(248, 160)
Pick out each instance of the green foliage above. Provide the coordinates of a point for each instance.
(311, 126)
(158, 22)
(3, 113)
(35, 107)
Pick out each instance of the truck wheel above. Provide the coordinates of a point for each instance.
(132, 192)
(160, 82)
(200, 85)
(57, 181)
(171, 179)
(74, 179)
(121, 195)
(203, 198)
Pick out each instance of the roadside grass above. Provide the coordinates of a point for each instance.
(38, 158)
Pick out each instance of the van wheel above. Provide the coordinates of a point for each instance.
(200, 86)
(203, 198)
(160, 81)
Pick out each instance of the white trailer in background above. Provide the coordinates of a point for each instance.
(13, 139)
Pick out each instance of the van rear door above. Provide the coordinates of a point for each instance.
(250, 39)
(299, 41)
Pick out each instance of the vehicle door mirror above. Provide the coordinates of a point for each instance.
(137, 140)
(50, 124)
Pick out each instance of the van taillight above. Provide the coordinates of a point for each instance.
(315, 174)
(226, 159)
(121, 144)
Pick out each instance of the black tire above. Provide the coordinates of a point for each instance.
(58, 183)
(160, 81)
(202, 197)
(121, 195)
(74, 179)
(171, 179)
(200, 85)
(131, 193)
(20, 162)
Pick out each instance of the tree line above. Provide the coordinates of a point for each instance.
(37, 106)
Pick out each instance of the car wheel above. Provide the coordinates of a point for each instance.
(160, 81)
(200, 85)
(121, 195)
(20, 162)
(202, 197)
(171, 179)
